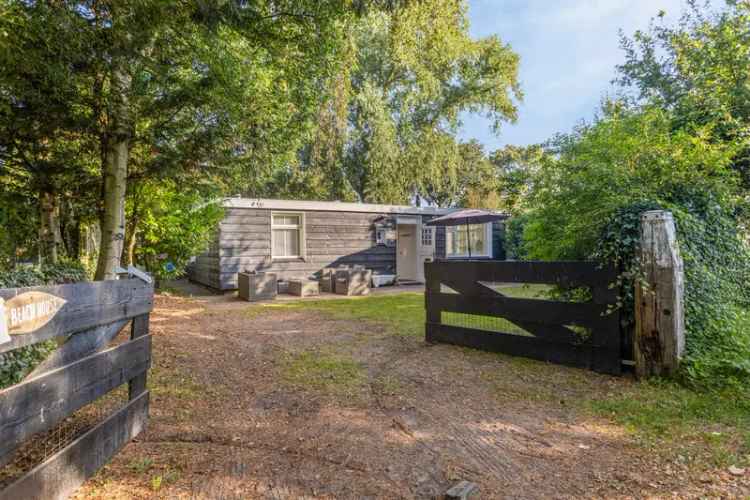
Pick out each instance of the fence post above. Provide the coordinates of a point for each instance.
(139, 328)
(659, 313)
(432, 313)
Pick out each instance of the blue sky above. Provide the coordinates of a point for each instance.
(568, 49)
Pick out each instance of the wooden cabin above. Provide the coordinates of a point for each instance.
(297, 239)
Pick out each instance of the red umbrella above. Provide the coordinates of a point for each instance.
(466, 217)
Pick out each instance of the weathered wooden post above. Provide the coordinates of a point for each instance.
(659, 313)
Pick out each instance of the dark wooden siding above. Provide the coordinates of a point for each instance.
(331, 239)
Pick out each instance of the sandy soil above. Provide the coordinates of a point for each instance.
(227, 423)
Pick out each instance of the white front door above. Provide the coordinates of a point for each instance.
(406, 252)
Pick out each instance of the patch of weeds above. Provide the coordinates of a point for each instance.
(160, 480)
(524, 379)
(387, 384)
(705, 427)
(333, 374)
(156, 482)
(256, 310)
(169, 383)
(139, 466)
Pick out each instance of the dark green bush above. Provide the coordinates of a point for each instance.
(16, 364)
(514, 243)
(717, 297)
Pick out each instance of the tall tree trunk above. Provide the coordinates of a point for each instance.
(130, 239)
(131, 235)
(50, 236)
(115, 171)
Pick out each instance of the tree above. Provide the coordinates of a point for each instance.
(43, 153)
(515, 168)
(626, 156)
(698, 69)
(411, 73)
(201, 93)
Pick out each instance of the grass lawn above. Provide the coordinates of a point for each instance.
(707, 428)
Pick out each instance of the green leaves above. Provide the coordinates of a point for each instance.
(174, 225)
(410, 73)
(626, 156)
(699, 70)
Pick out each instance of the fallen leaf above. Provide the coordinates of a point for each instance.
(736, 471)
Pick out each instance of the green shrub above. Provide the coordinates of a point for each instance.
(16, 364)
(514, 244)
(717, 270)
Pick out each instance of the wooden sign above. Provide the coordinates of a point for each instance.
(27, 313)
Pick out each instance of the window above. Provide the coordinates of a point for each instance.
(287, 233)
(427, 237)
(457, 244)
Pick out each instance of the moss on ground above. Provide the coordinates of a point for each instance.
(331, 373)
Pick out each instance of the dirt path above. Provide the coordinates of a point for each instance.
(239, 411)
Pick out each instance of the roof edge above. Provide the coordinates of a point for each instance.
(331, 206)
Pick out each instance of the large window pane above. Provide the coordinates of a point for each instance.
(459, 237)
(285, 242)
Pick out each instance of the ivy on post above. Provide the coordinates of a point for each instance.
(659, 312)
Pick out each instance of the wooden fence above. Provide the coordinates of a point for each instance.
(77, 374)
(583, 334)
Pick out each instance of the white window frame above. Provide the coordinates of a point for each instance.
(427, 230)
(300, 234)
(487, 242)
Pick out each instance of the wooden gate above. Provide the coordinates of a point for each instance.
(78, 373)
(583, 334)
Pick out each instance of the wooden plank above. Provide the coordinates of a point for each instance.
(567, 274)
(545, 312)
(78, 346)
(341, 229)
(229, 240)
(87, 305)
(139, 329)
(352, 237)
(247, 219)
(59, 476)
(243, 248)
(432, 288)
(581, 356)
(229, 212)
(470, 288)
(40, 403)
(245, 228)
(345, 246)
(350, 217)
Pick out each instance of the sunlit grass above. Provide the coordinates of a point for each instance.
(708, 427)
(401, 314)
(331, 373)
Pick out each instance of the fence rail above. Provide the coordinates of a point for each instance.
(88, 315)
(583, 334)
